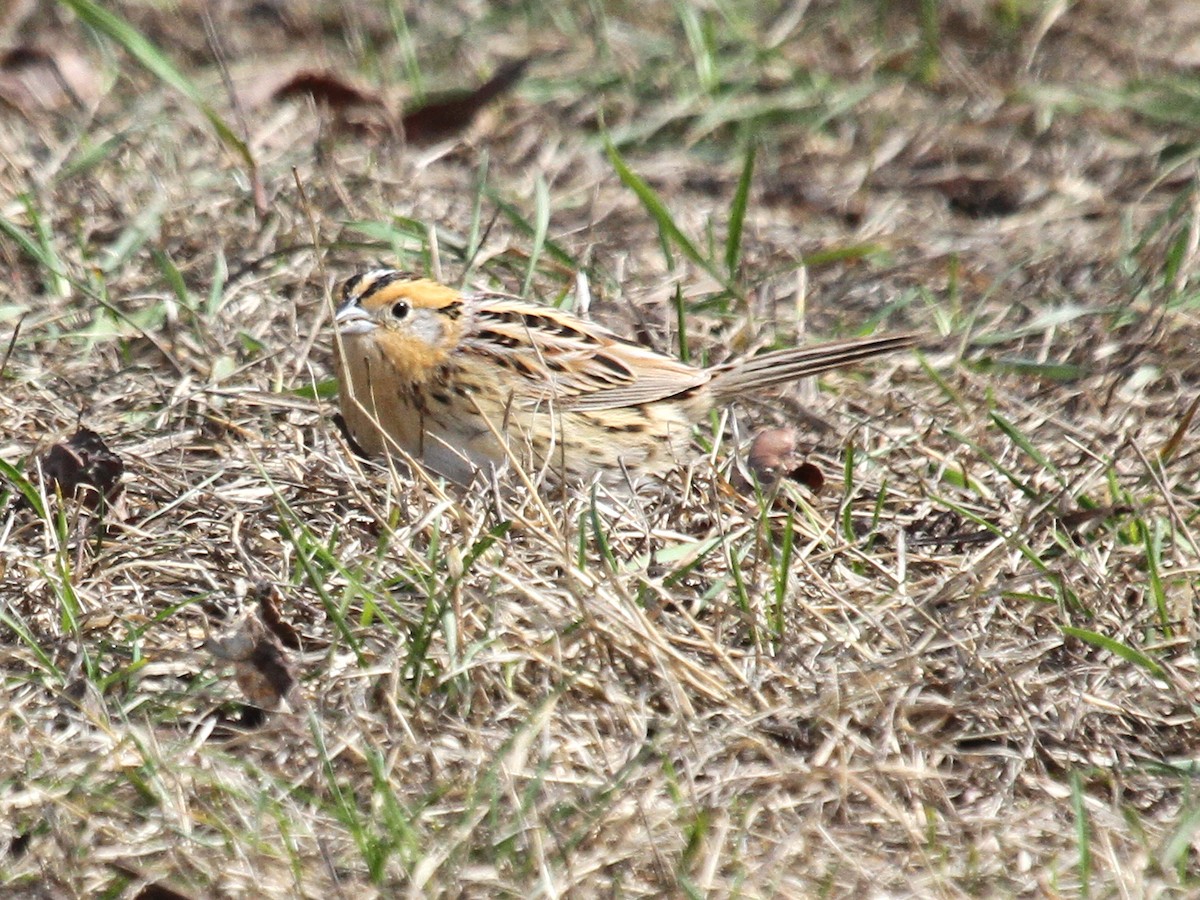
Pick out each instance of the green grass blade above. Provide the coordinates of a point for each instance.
(698, 41)
(540, 227)
(1023, 442)
(658, 211)
(24, 487)
(552, 249)
(41, 252)
(737, 214)
(1082, 835)
(1153, 541)
(1104, 642)
(476, 235)
(152, 59)
(1179, 846)
(27, 244)
(685, 352)
(12, 620)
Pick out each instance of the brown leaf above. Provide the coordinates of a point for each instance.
(981, 198)
(261, 666)
(34, 79)
(809, 476)
(83, 467)
(449, 114)
(1173, 442)
(269, 598)
(772, 451)
(326, 88)
(267, 678)
(773, 456)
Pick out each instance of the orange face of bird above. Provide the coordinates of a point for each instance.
(413, 321)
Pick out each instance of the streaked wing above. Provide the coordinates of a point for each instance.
(579, 364)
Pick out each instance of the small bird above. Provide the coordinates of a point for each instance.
(451, 377)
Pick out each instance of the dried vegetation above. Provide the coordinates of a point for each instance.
(965, 665)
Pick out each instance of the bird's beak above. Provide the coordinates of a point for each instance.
(354, 320)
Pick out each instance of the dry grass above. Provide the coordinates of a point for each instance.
(969, 668)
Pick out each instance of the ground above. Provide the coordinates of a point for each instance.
(955, 656)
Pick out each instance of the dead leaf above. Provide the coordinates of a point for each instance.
(449, 114)
(809, 476)
(325, 88)
(269, 598)
(351, 109)
(982, 197)
(773, 456)
(262, 668)
(83, 467)
(771, 451)
(34, 79)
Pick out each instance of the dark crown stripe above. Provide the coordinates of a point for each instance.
(383, 279)
(359, 287)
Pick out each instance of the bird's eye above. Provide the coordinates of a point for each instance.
(400, 309)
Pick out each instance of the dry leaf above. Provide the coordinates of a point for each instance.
(34, 79)
(269, 599)
(84, 468)
(981, 198)
(773, 456)
(351, 109)
(326, 88)
(449, 114)
(771, 451)
(262, 668)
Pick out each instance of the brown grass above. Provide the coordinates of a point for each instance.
(975, 675)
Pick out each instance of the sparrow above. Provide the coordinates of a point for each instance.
(466, 380)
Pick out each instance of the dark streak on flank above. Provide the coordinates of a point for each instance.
(635, 427)
(411, 393)
(565, 329)
(537, 322)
